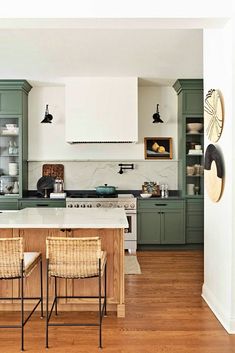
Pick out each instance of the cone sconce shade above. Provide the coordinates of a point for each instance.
(48, 117)
(156, 116)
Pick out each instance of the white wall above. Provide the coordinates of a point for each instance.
(219, 232)
(85, 164)
(47, 141)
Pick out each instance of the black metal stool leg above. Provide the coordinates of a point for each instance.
(41, 285)
(105, 290)
(56, 296)
(100, 313)
(47, 300)
(22, 304)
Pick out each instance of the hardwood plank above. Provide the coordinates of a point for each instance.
(164, 313)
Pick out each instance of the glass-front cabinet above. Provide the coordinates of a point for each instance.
(194, 164)
(13, 141)
(10, 157)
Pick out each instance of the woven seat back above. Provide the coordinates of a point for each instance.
(73, 257)
(11, 254)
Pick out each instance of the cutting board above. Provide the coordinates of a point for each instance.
(53, 170)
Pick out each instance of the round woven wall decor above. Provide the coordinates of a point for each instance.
(214, 173)
(213, 115)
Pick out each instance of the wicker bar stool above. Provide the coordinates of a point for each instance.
(16, 264)
(76, 258)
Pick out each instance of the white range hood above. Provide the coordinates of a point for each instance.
(101, 109)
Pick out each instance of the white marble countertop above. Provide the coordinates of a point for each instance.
(64, 218)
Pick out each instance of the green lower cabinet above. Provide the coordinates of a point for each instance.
(149, 227)
(194, 221)
(161, 222)
(41, 203)
(173, 227)
(9, 204)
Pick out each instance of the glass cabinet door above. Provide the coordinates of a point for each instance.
(194, 157)
(9, 156)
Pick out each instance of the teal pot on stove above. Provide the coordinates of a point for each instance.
(105, 190)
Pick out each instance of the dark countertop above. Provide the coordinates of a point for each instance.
(34, 195)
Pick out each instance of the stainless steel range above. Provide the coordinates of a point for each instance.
(126, 201)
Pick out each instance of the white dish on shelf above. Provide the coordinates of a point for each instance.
(194, 128)
(146, 196)
(14, 131)
(11, 126)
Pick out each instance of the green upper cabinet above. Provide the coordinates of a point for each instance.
(14, 138)
(190, 137)
(190, 96)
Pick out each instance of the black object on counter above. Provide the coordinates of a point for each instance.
(45, 185)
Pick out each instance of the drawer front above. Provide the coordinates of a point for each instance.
(9, 205)
(41, 203)
(195, 236)
(160, 204)
(195, 220)
(195, 205)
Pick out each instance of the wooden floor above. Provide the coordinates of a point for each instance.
(164, 314)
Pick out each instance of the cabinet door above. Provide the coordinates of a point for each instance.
(172, 226)
(10, 102)
(149, 227)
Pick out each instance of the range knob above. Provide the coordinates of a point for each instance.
(76, 205)
(83, 205)
(126, 206)
(132, 205)
(110, 205)
(90, 205)
(98, 205)
(70, 205)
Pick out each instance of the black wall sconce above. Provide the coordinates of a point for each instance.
(156, 116)
(48, 117)
(124, 166)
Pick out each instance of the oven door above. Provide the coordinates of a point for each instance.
(130, 232)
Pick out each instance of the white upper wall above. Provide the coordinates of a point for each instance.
(117, 9)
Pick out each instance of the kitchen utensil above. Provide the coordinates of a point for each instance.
(194, 128)
(13, 169)
(45, 185)
(53, 170)
(190, 189)
(105, 190)
(145, 196)
(58, 186)
(198, 147)
(190, 170)
(15, 188)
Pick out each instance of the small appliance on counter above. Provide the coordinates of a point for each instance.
(58, 192)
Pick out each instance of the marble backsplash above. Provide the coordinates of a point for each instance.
(86, 175)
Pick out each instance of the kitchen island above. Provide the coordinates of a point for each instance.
(36, 224)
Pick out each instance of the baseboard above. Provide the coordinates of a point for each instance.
(226, 321)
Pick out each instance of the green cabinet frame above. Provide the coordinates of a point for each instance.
(14, 105)
(161, 222)
(190, 109)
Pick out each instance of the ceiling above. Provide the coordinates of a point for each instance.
(157, 56)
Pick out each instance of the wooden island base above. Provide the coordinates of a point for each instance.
(35, 240)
